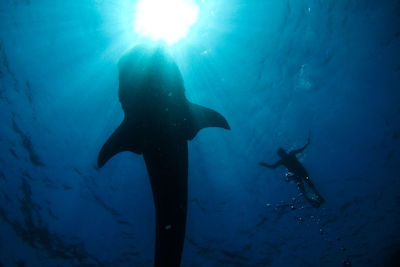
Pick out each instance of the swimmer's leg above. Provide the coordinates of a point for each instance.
(318, 197)
(289, 176)
(301, 187)
(315, 201)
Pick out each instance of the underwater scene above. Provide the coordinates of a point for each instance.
(196, 133)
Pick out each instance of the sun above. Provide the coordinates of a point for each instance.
(167, 20)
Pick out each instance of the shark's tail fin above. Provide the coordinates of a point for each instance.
(202, 117)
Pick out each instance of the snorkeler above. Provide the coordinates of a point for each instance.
(297, 173)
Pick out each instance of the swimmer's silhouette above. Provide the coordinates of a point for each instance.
(158, 122)
(297, 173)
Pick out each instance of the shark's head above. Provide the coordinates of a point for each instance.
(149, 79)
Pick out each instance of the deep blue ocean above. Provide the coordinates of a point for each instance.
(279, 71)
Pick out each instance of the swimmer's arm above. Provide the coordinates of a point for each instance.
(272, 166)
(297, 151)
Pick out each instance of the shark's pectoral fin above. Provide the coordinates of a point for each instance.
(123, 139)
(202, 117)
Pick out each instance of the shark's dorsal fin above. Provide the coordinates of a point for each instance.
(202, 117)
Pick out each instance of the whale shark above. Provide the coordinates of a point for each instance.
(158, 123)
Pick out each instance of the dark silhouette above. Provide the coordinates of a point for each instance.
(158, 122)
(297, 173)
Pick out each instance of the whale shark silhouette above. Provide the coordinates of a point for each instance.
(158, 122)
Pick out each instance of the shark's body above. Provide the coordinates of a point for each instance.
(158, 122)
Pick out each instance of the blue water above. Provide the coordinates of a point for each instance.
(280, 71)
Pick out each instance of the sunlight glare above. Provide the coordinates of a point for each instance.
(167, 20)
